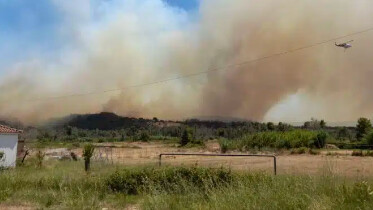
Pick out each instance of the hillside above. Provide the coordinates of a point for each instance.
(103, 121)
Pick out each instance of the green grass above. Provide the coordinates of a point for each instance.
(263, 192)
(65, 185)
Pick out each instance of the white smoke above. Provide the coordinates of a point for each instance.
(115, 44)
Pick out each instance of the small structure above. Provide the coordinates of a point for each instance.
(8, 146)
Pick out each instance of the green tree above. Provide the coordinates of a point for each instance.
(144, 136)
(343, 134)
(307, 124)
(221, 132)
(362, 128)
(322, 124)
(320, 139)
(186, 137)
(87, 154)
(271, 126)
(314, 124)
(369, 138)
(283, 127)
(69, 130)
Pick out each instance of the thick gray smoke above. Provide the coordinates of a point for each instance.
(140, 42)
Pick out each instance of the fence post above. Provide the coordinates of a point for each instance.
(160, 159)
(275, 165)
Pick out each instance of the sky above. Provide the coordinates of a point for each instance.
(32, 28)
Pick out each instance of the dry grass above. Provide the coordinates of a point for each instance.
(64, 185)
(141, 153)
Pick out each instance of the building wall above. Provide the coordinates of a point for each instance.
(8, 145)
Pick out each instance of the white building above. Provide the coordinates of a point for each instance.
(8, 146)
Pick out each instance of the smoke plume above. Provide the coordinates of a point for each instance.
(114, 44)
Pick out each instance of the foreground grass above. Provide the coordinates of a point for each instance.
(263, 192)
(64, 185)
(61, 185)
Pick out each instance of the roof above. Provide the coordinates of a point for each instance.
(6, 129)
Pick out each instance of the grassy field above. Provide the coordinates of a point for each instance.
(65, 185)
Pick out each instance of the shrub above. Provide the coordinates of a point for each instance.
(144, 136)
(344, 134)
(369, 153)
(320, 140)
(363, 127)
(224, 145)
(300, 150)
(271, 126)
(313, 152)
(186, 137)
(357, 153)
(279, 140)
(87, 154)
(282, 144)
(39, 158)
(369, 138)
(74, 156)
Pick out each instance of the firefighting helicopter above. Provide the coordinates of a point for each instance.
(345, 45)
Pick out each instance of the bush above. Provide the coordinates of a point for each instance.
(279, 140)
(186, 137)
(174, 179)
(363, 127)
(313, 152)
(369, 153)
(224, 145)
(301, 150)
(320, 140)
(40, 158)
(144, 136)
(87, 154)
(369, 138)
(74, 156)
(357, 153)
(282, 144)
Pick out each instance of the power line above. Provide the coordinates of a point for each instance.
(185, 76)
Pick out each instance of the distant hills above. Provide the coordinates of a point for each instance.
(101, 121)
(112, 121)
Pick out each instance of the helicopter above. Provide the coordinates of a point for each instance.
(345, 45)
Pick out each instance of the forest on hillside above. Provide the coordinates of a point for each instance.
(109, 127)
